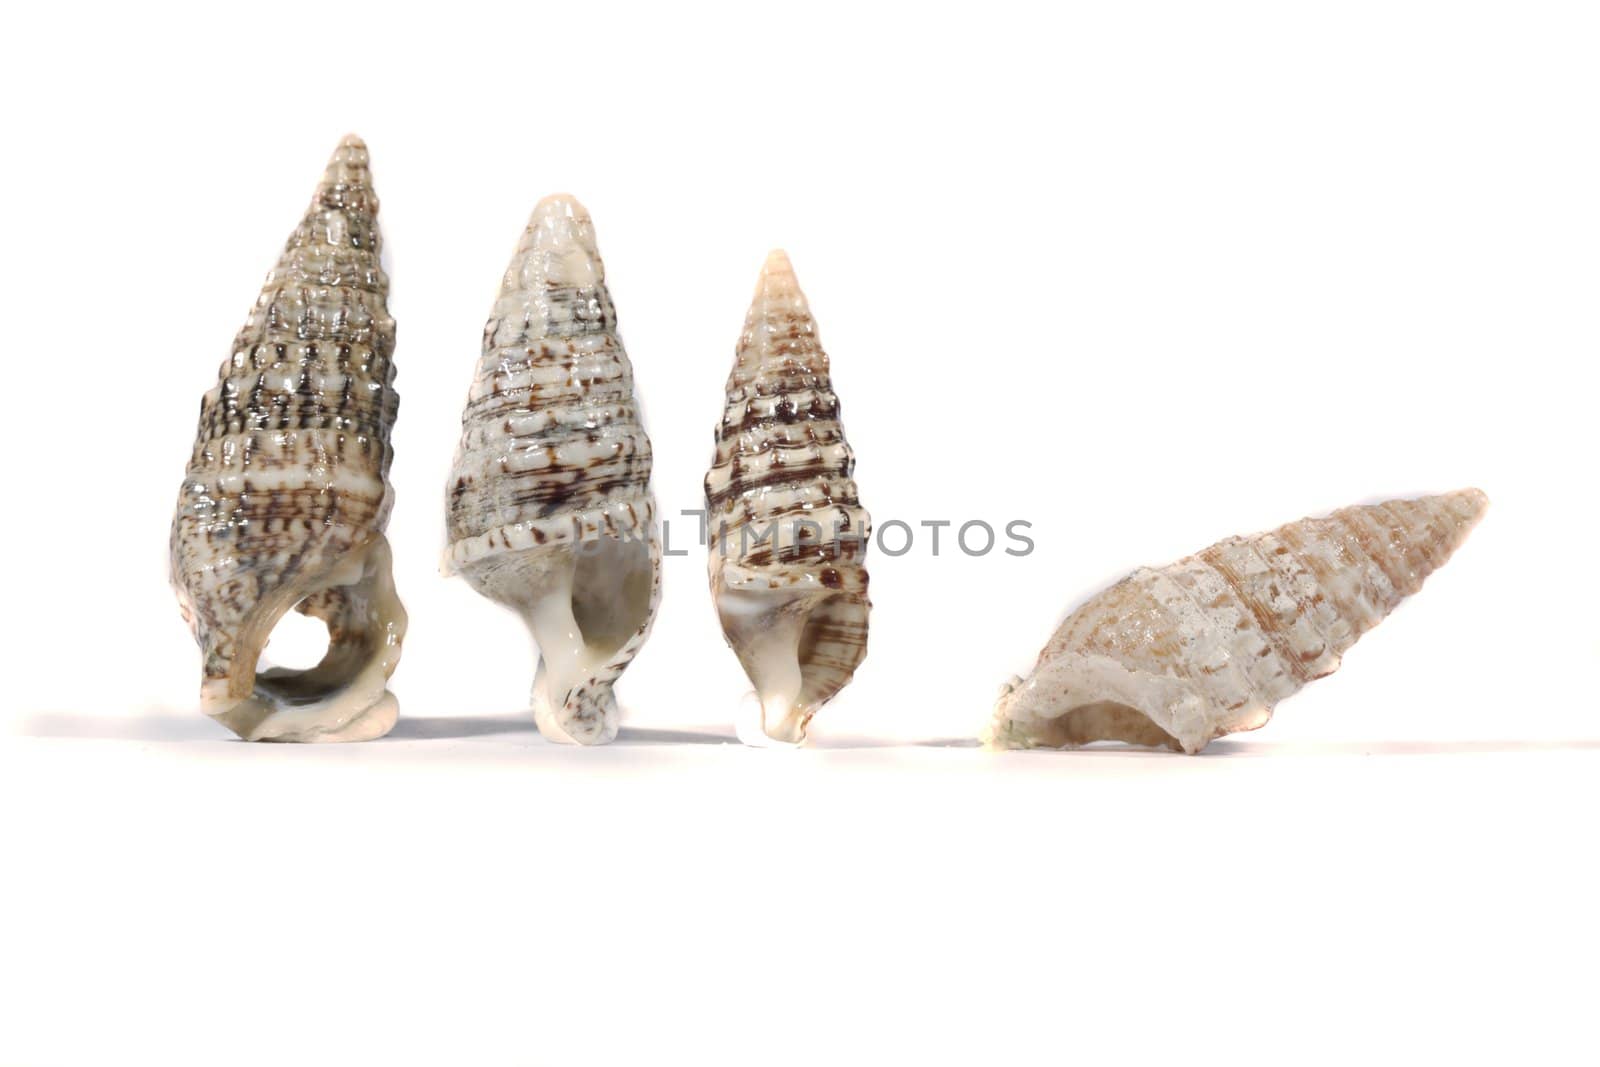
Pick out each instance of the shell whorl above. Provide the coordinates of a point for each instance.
(549, 497)
(1180, 655)
(286, 495)
(788, 535)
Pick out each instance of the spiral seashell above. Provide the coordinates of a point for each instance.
(287, 495)
(549, 509)
(788, 534)
(1178, 656)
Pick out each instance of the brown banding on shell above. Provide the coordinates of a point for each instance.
(788, 533)
(549, 510)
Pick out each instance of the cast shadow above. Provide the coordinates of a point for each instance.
(66, 725)
(186, 727)
(521, 727)
(642, 735)
(458, 727)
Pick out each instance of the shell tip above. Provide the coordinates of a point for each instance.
(777, 263)
(560, 240)
(348, 164)
(778, 284)
(559, 206)
(1470, 504)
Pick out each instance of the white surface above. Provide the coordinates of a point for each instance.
(465, 896)
(1143, 275)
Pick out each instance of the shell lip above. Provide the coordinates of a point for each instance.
(750, 727)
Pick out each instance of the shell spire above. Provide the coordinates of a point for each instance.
(286, 496)
(347, 180)
(789, 535)
(558, 251)
(779, 325)
(1176, 657)
(549, 510)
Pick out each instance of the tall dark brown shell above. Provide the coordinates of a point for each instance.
(286, 495)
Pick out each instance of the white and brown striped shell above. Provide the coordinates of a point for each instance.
(549, 510)
(287, 493)
(1178, 656)
(788, 535)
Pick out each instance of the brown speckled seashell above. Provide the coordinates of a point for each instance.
(788, 534)
(549, 510)
(286, 496)
(1178, 656)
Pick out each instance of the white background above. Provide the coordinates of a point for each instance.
(1144, 275)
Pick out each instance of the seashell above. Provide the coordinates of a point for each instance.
(1178, 656)
(287, 495)
(789, 534)
(549, 509)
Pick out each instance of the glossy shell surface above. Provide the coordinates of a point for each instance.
(286, 496)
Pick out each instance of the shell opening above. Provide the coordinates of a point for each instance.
(298, 642)
(611, 593)
(797, 649)
(1073, 700)
(344, 696)
(584, 604)
(1102, 720)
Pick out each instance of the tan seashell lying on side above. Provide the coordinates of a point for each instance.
(788, 535)
(549, 508)
(287, 492)
(1178, 656)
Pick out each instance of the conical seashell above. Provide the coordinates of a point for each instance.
(1178, 656)
(549, 509)
(287, 493)
(788, 534)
